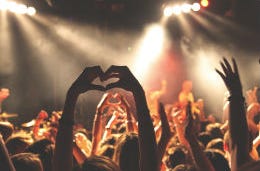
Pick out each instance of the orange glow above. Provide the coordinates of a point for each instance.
(204, 3)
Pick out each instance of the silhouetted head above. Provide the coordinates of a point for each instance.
(99, 163)
(45, 150)
(176, 157)
(217, 159)
(27, 162)
(127, 152)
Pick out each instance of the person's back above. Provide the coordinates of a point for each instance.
(27, 162)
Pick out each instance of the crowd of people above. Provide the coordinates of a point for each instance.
(177, 137)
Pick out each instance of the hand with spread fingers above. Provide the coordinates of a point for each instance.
(230, 77)
(239, 147)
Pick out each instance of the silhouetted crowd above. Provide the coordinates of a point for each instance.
(156, 137)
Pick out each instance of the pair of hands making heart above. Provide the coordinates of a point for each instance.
(126, 81)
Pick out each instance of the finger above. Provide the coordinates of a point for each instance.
(224, 68)
(227, 65)
(94, 72)
(112, 71)
(189, 120)
(221, 74)
(97, 87)
(235, 66)
(161, 109)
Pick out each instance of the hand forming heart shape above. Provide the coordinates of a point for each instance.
(126, 79)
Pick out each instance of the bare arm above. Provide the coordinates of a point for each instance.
(166, 133)
(64, 139)
(239, 138)
(198, 154)
(147, 142)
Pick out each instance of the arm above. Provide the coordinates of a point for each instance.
(63, 149)
(97, 130)
(166, 133)
(147, 142)
(130, 122)
(199, 157)
(180, 127)
(239, 138)
(5, 161)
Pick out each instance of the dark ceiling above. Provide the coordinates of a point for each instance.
(132, 12)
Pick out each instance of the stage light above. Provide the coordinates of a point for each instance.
(31, 11)
(3, 5)
(16, 8)
(204, 3)
(21, 9)
(195, 7)
(176, 10)
(186, 8)
(167, 11)
(150, 48)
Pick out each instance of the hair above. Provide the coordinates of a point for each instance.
(204, 138)
(17, 144)
(127, 152)
(216, 143)
(6, 129)
(45, 149)
(184, 167)
(217, 159)
(99, 163)
(214, 130)
(176, 157)
(27, 162)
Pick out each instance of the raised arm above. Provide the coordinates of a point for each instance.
(63, 148)
(97, 127)
(166, 133)
(147, 143)
(130, 122)
(5, 161)
(239, 138)
(199, 156)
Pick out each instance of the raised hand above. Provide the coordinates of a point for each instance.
(166, 133)
(199, 156)
(189, 130)
(238, 144)
(126, 81)
(63, 148)
(230, 77)
(84, 82)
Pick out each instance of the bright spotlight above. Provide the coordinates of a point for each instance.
(31, 11)
(3, 5)
(21, 9)
(186, 8)
(16, 8)
(150, 49)
(204, 3)
(167, 11)
(176, 10)
(195, 6)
